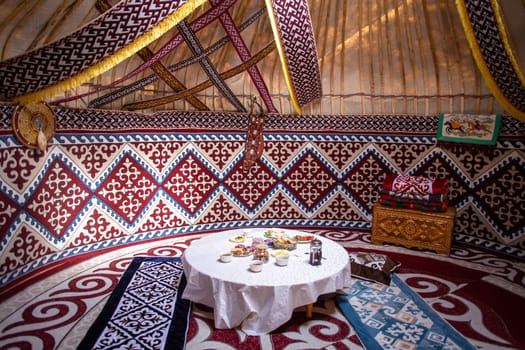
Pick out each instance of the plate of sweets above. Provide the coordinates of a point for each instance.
(269, 233)
(240, 250)
(284, 242)
(272, 234)
(304, 238)
(238, 239)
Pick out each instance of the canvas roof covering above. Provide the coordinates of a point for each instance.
(374, 57)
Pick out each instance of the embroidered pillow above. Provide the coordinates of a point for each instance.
(372, 266)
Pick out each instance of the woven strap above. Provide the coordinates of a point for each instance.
(204, 85)
(90, 51)
(242, 50)
(196, 49)
(490, 46)
(160, 70)
(295, 40)
(141, 83)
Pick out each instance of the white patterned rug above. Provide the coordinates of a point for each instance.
(146, 310)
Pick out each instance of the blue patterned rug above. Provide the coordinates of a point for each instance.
(146, 309)
(396, 317)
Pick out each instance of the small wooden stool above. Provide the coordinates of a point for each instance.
(413, 228)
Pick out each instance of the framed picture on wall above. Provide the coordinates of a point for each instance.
(469, 128)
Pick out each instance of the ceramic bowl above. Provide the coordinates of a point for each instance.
(282, 260)
(256, 266)
(226, 257)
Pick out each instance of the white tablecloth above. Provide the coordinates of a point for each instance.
(259, 302)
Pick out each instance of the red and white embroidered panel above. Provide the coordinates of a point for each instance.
(110, 32)
(128, 189)
(310, 180)
(94, 190)
(252, 187)
(190, 183)
(298, 43)
(58, 199)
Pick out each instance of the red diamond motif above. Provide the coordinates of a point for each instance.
(158, 153)
(128, 189)
(92, 157)
(190, 183)
(58, 198)
(309, 180)
(365, 179)
(18, 165)
(250, 187)
(220, 153)
(437, 166)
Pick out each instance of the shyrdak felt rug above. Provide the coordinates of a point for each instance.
(146, 309)
(395, 317)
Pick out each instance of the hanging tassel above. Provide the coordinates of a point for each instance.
(41, 140)
(254, 136)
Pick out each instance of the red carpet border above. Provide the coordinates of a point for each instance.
(57, 311)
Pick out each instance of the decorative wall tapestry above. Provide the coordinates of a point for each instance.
(469, 128)
(172, 173)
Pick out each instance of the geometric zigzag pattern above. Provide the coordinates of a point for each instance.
(94, 191)
(297, 42)
(87, 46)
(490, 40)
(145, 311)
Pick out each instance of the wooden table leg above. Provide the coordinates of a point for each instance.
(309, 310)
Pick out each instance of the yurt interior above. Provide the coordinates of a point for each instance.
(262, 174)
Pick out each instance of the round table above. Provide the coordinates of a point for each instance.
(260, 302)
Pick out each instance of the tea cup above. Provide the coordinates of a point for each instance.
(256, 266)
(226, 257)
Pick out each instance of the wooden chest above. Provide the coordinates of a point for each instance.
(413, 228)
